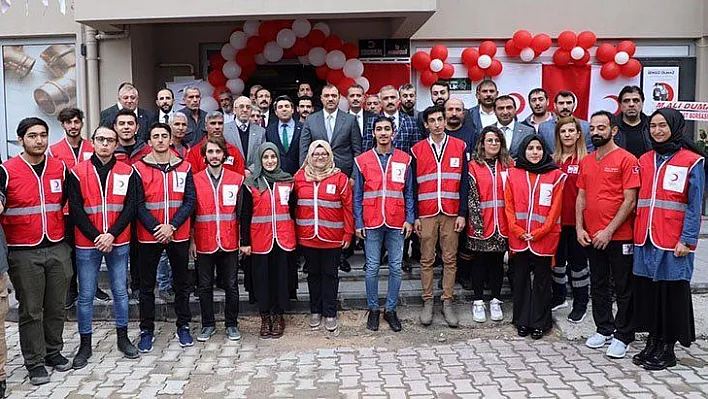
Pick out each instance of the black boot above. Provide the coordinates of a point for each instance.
(84, 353)
(662, 358)
(124, 345)
(647, 352)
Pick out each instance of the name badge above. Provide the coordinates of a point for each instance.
(178, 181)
(546, 194)
(627, 249)
(284, 192)
(87, 155)
(331, 189)
(55, 185)
(675, 178)
(120, 184)
(573, 169)
(398, 172)
(229, 194)
(229, 160)
(454, 162)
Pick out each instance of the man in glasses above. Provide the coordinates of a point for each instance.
(633, 124)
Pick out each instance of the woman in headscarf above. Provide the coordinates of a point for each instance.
(665, 235)
(268, 235)
(324, 225)
(534, 231)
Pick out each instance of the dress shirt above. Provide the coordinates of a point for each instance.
(359, 119)
(487, 118)
(229, 117)
(244, 135)
(169, 115)
(290, 129)
(508, 133)
(265, 116)
(333, 123)
(396, 121)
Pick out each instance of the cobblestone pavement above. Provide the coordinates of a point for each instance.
(473, 361)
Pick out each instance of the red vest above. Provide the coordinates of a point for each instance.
(663, 199)
(163, 196)
(34, 203)
(132, 159)
(63, 152)
(234, 160)
(531, 216)
(439, 181)
(320, 212)
(271, 220)
(491, 197)
(383, 201)
(102, 207)
(216, 224)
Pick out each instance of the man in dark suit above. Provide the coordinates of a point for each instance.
(406, 133)
(196, 116)
(336, 127)
(514, 131)
(246, 136)
(128, 99)
(482, 114)
(165, 101)
(264, 101)
(286, 133)
(355, 98)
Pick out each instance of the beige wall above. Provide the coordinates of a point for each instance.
(41, 21)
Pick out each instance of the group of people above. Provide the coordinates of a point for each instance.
(561, 197)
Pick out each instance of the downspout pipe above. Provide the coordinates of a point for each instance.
(92, 82)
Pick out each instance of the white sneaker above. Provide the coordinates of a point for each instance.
(598, 341)
(478, 313)
(495, 310)
(617, 349)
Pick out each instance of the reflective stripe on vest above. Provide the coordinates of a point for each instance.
(320, 203)
(668, 205)
(32, 210)
(90, 210)
(215, 218)
(439, 177)
(380, 193)
(324, 223)
(491, 204)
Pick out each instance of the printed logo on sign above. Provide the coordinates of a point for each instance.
(331, 189)
(120, 184)
(55, 185)
(546, 196)
(230, 194)
(178, 181)
(573, 169)
(398, 171)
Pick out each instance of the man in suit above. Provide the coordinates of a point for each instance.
(243, 134)
(355, 98)
(128, 99)
(514, 131)
(483, 114)
(373, 104)
(338, 128)
(286, 133)
(165, 101)
(564, 103)
(196, 116)
(264, 101)
(406, 132)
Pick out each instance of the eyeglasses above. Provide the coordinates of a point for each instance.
(325, 155)
(103, 140)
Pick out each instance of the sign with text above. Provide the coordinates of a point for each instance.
(659, 84)
(384, 48)
(692, 111)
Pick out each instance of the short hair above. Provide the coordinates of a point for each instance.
(257, 87)
(330, 86)
(284, 97)
(304, 98)
(631, 89)
(227, 91)
(213, 115)
(406, 86)
(537, 91)
(261, 89)
(382, 118)
(125, 112)
(191, 87)
(160, 125)
(172, 93)
(388, 87)
(432, 110)
(440, 83)
(565, 93)
(304, 83)
(606, 114)
(218, 140)
(68, 114)
(486, 82)
(27, 123)
(454, 99)
(93, 135)
(504, 97)
(126, 87)
(180, 115)
(124, 84)
(356, 86)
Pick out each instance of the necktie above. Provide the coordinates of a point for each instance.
(395, 127)
(263, 125)
(328, 125)
(167, 118)
(244, 128)
(284, 138)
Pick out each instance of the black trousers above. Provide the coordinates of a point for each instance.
(269, 273)
(178, 254)
(323, 279)
(226, 264)
(572, 262)
(69, 240)
(603, 263)
(532, 291)
(134, 261)
(487, 267)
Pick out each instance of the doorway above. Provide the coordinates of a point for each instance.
(283, 79)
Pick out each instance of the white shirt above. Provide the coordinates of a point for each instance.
(229, 117)
(265, 116)
(135, 111)
(359, 119)
(396, 119)
(438, 148)
(169, 115)
(487, 119)
(508, 133)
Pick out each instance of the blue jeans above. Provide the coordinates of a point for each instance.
(88, 265)
(164, 274)
(393, 239)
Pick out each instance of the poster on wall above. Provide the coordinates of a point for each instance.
(40, 80)
(659, 84)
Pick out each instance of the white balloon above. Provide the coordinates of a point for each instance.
(353, 68)
(238, 40)
(527, 54)
(323, 27)
(577, 53)
(304, 60)
(208, 103)
(343, 104)
(336, 59)
(231, 69)
(251, 27)
(286, 38)
(363, 82)
(484, 61)
(621, 58)
(317, 56)
(301, 27)
(260, 59)
(272, 52)
(205, 88)
(228, 52)
(436, 65)
(236, 86)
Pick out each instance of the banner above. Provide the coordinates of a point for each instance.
(603, 93)
(574, 78)
(382, 74)
(659, 84)
(692, 111)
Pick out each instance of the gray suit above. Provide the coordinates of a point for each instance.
(345, 143)
(256, 137)
(520, 131)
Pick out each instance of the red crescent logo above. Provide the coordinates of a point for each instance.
(674, 177)
(520, 102)
(616, 100)
(669, 89)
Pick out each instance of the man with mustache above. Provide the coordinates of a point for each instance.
(165, 101)
(195, 115)
(455, 125)
(244, 134)
(632, 123)
(355, 98)
(373, 104)
(128, 99)
(263, 101)
(406, 131)
(538, 102)
(304, 108)
(482, 114)
(564, 103)
(408, 100)
(439, 93)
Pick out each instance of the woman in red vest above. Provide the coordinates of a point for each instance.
(324, 226)
(666, 232)
(534, 230)
(487, 230)
(268, 234)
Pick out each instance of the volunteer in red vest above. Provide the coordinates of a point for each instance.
(129, 149)
(666, 232)
(324, 225)
(215, 128)
(607, 196)
(39, 260)
(101, 194)
(268, 235)
(487, 229)
(215, 236)
(532, 202)
(571, 261)
(166, 199)
(440, 169)
(384, 212)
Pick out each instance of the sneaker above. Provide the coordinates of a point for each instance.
(559, 303)
(204, 334)
(146, 340)
(577, 315)
(57, 362)
(331, 324)
(617, 349)
(233, 333)
(598, 341)
(478, 313)
(495, 310)
(185, 338)
(426, 315)
(38, 375)
(315, 320)
(102, 295)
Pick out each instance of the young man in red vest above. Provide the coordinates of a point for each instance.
(165, 201)
(215, 128)
(440, 169)
(215, 237)
(39, 259)
(102, 203)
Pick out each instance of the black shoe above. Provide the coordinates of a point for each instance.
(407, 267)
(523, 331)
(102, 295)
(251, 297)
(344, 265)
(38, 375)
(392, 318)
(649, 349)
(84, 353)
(3, 388)
(71, 298)
(57, 362)
(662, 358)
(466, 284)
(124, 345)
(305, 268)
(372, 323)
(537, 333)
(134, 293)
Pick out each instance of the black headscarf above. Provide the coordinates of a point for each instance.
(678, 138)
(545, 165)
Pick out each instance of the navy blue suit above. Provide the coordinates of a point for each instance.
(290, 160)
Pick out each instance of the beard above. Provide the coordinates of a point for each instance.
(599, 141)
(454, 122)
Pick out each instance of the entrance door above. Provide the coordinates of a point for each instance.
(283, 79)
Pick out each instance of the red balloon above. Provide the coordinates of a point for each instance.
(248, 69)
(586, 39)
(470, 56)
(255, 44)
(541, 43)
(284, 24)
(289, 54)
(627, 46)
(344, 84)
(567, 40)
(301, 47)
(561, 57)
(216, 61)
(447, 71)
(488, 47)
(475, 73)
(217, 78)
(631, 68)
(428, 77)
(606, 52)
(244, 58)
(335, 76)
(584, 60)
(510, 49)
(322, 71)
(610, 71)
(268, 30)
(522, 39)
(438, 51)
(495, 69)
(316, 38)
(350, 50)
(333, 42)
(420, 60)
